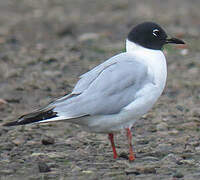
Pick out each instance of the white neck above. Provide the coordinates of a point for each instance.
(153, 59)
(132, 47)
(144, 54)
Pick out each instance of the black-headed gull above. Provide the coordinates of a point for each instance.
(116, 93)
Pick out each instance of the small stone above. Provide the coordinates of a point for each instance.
(88, 36)
(152, 129)
(43, 167)
(150, 158)
(13, 100)
(6, 172)
(144, 149)
(2, 101)
(197, 149)
(180, 108)
(187, 155)
(141, 170)
(162, 127)
(178, 175)
(173, 132)
(56, 154)
(7, 146)
(37, 154)
(31, 143)
(164, 148)
(189, 148)
(5, 161)
(132, 171)
(48, 140)
(171, 160)
(52, 73)
(184, 52)
(18, 141)
(146, 169)
(196, 114)
(143, 141)
(123, 155)
(189, 125)
(76, 169)
(67, 30)
(87, 172)
(188, 161)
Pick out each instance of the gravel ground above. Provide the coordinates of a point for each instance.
(45, 45)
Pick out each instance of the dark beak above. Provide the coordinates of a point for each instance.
(174, 41)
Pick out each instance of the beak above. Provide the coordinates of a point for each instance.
(174, 41)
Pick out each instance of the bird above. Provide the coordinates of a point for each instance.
(115, 94)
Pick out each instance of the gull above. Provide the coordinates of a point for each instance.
(115, 94)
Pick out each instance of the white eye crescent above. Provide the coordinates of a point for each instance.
(156, 32)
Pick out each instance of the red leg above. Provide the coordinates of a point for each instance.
(110, 137)
(131, 153)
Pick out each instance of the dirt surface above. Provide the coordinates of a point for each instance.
(45, 45)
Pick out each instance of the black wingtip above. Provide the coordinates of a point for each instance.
(13, 123)
(34, 117)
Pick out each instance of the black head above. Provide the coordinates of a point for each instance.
(151, 35)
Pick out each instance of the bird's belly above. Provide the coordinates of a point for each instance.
(124, 119)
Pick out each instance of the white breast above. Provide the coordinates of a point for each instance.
(147, 96)
(153, 59)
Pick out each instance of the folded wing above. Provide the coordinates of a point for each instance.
(104, 90)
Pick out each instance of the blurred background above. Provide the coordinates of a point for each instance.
(45, 45)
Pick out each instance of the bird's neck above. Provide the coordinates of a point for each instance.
(133, 47)
(153, 59)
(144, 54)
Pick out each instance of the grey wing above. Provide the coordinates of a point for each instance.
(87, 78)
(105, 90)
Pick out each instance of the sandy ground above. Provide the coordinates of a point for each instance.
(45, 45)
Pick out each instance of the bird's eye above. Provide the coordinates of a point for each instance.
(156, 32)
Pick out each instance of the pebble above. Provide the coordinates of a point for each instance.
(188, 161)
(7, 146)
(88, 36)
(197, 149)
(178, 175)
(2, 101)
(56, 154)
(123, 155)
(173, 132)
(18, 141)
(164, 148)
(48, 140)
(6, 171)
(196, 114)
(189, 125)
(43, 167)
(76, 169)
(132, 171)
(162, 126)
(152, 129)
(36, 154)
(142, 141)
(141, 170)
(184, 52)
(180, 108)
(171, 160)
(150, 158)
(147, 169)
(52, 73)
(87, 172)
